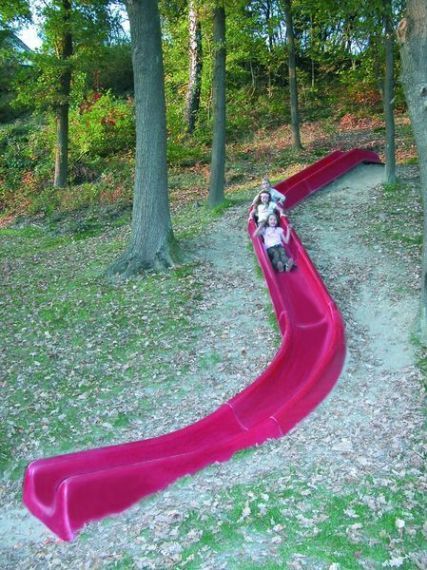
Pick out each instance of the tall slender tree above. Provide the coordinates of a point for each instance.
(64, 51)
(388, 97)
(151, 242)
(195, 65)
(412, 35)
(293, 87)
(217, 178)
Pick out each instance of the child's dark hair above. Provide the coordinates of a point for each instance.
(258, 200)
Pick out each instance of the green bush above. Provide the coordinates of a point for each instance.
(19, 169)
(102, 125)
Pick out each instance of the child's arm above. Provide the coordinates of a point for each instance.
(252, 213)
(287, 235)
(279, 208)
(259, 230)
(277, 196)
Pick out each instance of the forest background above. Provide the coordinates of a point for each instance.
(340, 54)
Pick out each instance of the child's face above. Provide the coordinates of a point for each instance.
(265, 198)
(265, 184)
(272, 221)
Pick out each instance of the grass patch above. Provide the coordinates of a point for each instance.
(412, 160)
(360, 526)
(395, 218)
(77, 346)
(17, 243)
(210, 360)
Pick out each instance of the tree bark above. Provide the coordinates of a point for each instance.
(293, 87)
(217, 179)
(390, 154)
(195, 75)
(65, 52)
(151, 242)
(412, 36)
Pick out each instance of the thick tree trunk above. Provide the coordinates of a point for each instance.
(195, 75)
(65, 52)
(217, 179)
(151, 236)
(390, 160)
(293, 88)
(412, 35)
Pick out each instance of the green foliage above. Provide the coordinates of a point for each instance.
(338, 73)
(13, 54)
(102, 125)
(87, 25)
(26, 162)
(111, 70)
(46, 201)
(13, 11)
(15, 161)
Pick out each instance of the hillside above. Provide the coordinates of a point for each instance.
(90, 362)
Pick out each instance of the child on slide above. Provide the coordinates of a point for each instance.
(275, 240)
(276, 196)
(263, 206)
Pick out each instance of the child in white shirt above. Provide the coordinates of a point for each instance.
(274, 241)
(263, 206)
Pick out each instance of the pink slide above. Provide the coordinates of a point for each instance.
(67, 491)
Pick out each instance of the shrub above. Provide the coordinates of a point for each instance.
(102, 125)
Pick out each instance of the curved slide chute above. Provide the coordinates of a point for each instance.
(67, 491)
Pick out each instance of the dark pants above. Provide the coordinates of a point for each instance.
(277, 253)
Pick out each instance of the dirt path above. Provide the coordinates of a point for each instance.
(366, 427)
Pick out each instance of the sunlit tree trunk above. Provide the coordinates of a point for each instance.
(64, 53)
(412, 35)
(195, 75)
(390, 160)
(151, 236)
(217, 178)
(293, 88)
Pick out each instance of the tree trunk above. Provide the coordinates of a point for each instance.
(217, 179)
(293, 88)
(412, 35)
(151, 236)
(195, 76)
(65, 51)
(390, 160)
(268, 14)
